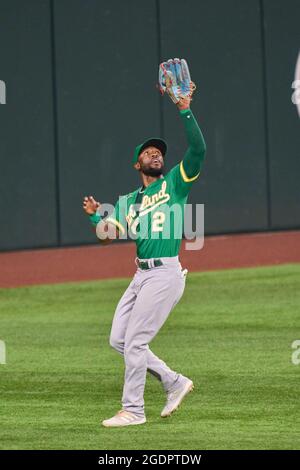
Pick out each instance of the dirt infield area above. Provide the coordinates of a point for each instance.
(56, 265)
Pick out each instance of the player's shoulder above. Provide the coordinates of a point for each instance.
(132, 194)
(178, 175)
(128, 196)
(173, 172)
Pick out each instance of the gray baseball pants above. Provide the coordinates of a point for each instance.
(141, 312)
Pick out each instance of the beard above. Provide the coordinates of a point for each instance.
(150, 171)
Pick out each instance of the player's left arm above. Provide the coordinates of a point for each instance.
(107, 229)
(191, 165)
(175, 80)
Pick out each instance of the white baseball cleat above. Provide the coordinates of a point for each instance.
(175, 398)
(123, 418)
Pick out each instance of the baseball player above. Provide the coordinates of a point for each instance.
(159, 281)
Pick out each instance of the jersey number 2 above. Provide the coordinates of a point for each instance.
(157, 221)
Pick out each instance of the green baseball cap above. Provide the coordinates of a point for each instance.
(152, 142)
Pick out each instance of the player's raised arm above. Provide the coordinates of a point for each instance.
(174, 78)
(195, 154)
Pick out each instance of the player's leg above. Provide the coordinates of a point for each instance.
(155, 366)
(121, 317)
(159, 293)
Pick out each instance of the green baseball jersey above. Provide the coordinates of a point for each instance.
(154, 217)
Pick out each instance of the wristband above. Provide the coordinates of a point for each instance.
(95, 219)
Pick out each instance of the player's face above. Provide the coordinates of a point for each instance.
(151, 161)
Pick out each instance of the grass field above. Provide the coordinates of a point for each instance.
(231, 333)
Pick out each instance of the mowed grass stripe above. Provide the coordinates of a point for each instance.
(231, 333)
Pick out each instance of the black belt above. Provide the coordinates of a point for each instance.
(147, 265)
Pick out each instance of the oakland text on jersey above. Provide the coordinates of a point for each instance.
(149, 203)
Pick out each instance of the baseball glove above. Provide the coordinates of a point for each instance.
(174, 78)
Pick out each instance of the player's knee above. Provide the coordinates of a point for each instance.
(116, 343)
(134, 352)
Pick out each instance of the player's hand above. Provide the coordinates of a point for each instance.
(185, 101)
(174, 78)
(89, 205)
